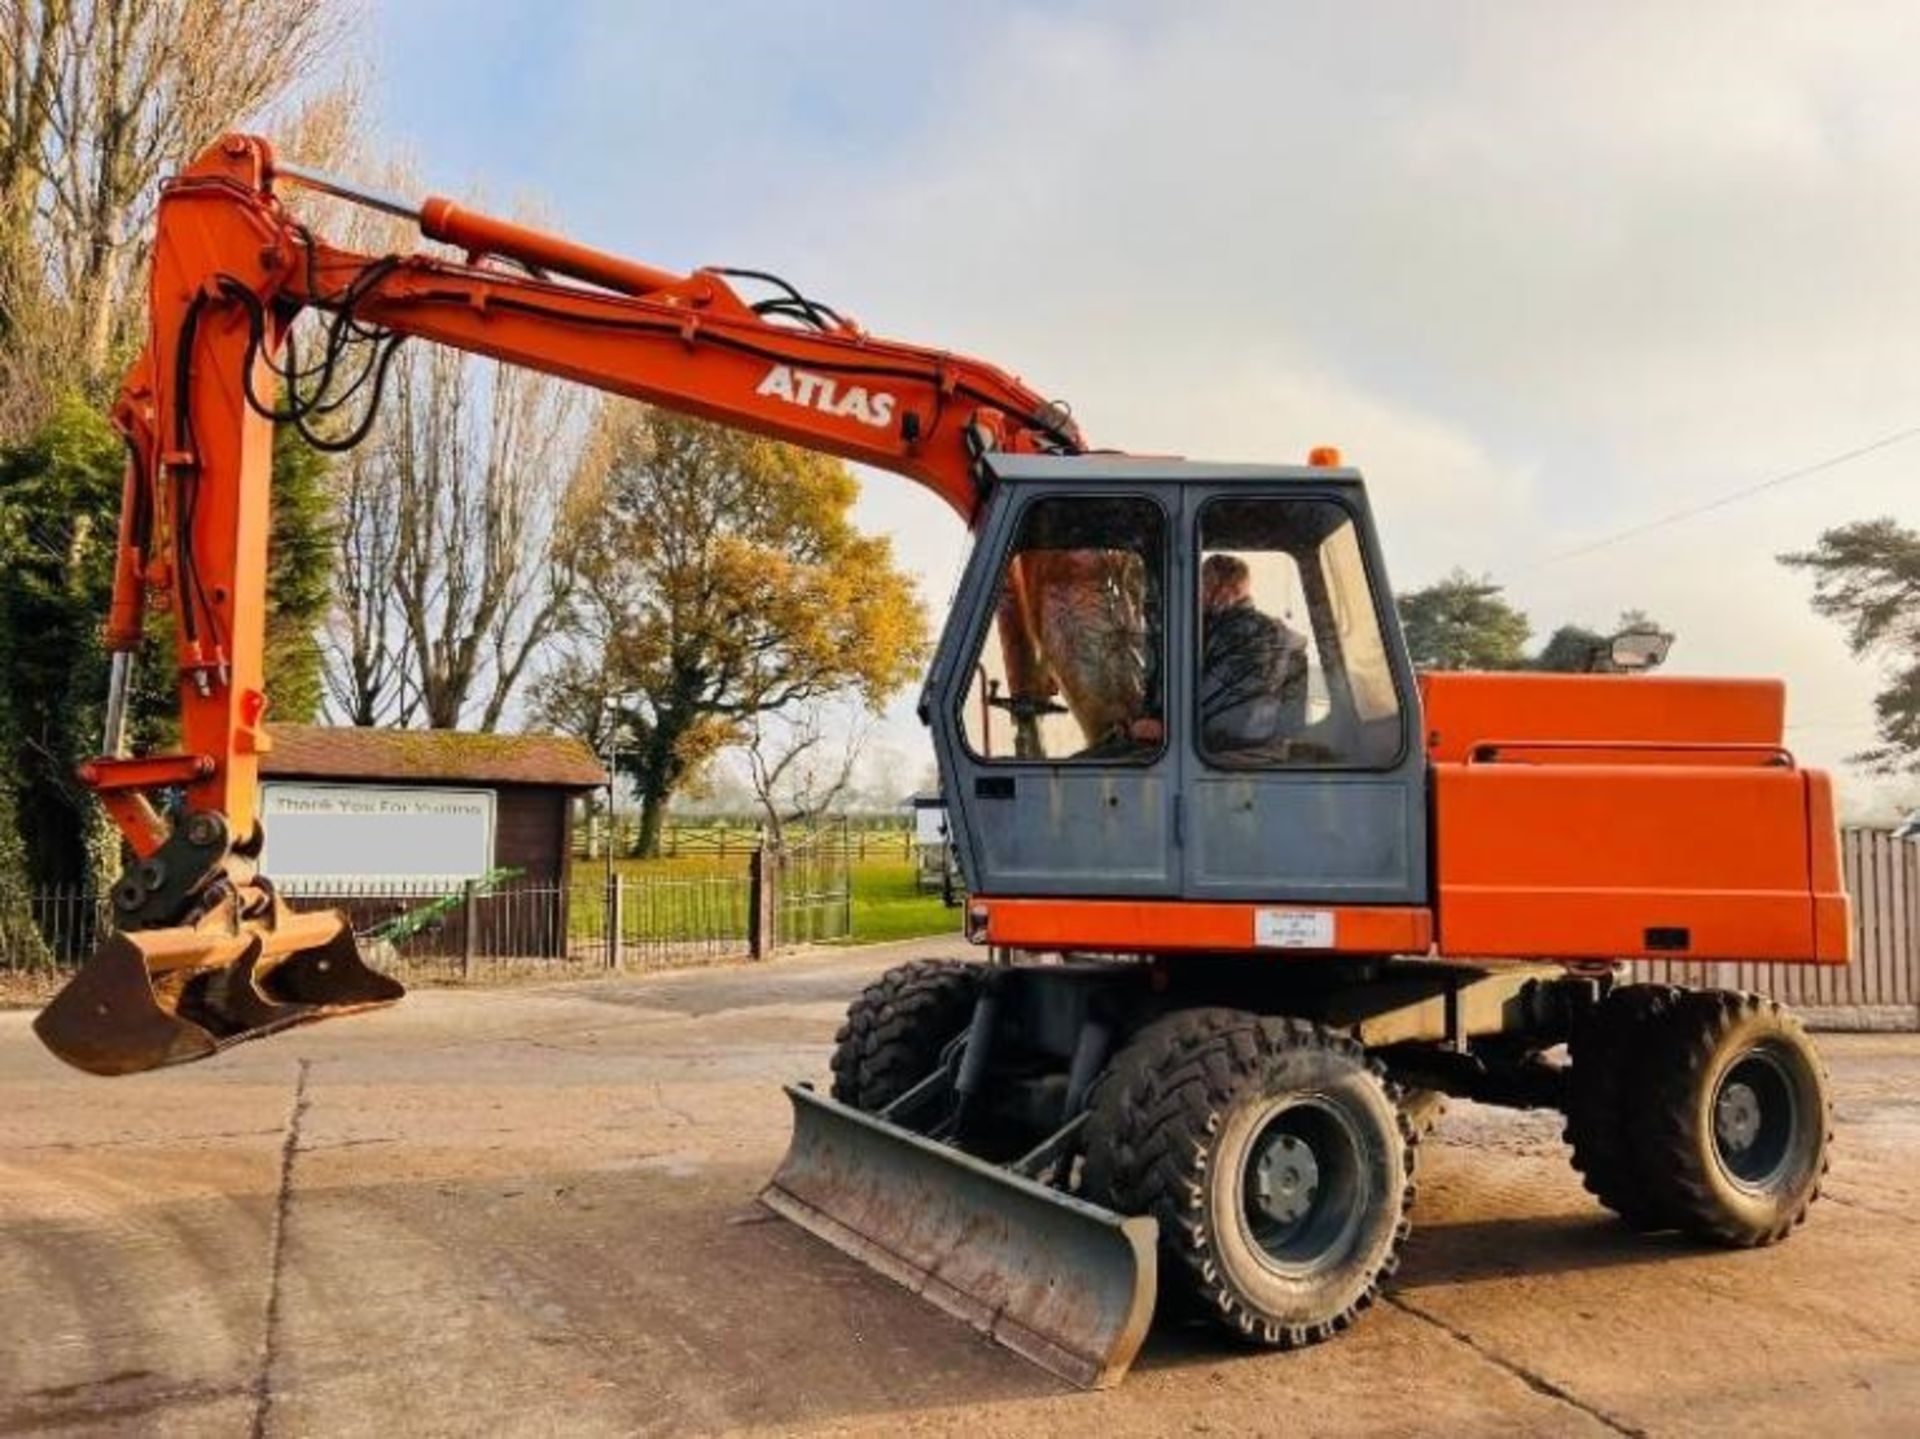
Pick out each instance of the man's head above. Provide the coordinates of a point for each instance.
(1224, 581)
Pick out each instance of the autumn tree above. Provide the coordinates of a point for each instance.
(1463, 623)
(1866, 577)
(365, 666)
(480, 456)
(721, 580)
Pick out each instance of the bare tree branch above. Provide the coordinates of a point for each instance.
(801, 765)
(466, 471)
(99, 100)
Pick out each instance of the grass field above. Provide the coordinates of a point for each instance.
(886, 903)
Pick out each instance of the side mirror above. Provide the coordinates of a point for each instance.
(1631, 651)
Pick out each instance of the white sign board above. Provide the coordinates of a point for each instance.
(1293, 928)
(346, 836)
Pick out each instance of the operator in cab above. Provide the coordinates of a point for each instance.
(1253, 668)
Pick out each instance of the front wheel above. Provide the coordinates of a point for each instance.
(1276, 1161)
(898, 1027)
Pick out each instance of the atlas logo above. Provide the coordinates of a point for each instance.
(823, 393)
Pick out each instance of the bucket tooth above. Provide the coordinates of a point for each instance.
(1061, 1282)
(331, 975)
(228, 1001)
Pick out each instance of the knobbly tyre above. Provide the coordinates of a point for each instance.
(1253, 895)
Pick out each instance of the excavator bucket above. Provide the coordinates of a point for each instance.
(152, 997)
(1059, 1281)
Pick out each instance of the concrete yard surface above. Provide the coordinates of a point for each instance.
(530, 1211)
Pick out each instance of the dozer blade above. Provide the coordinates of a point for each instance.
(1059, 1281)
(152, 997)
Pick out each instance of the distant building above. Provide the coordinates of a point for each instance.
(376, 819)
(350, 806)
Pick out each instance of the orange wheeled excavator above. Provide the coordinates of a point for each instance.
(1252, 893)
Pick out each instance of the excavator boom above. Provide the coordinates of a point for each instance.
(205, 953)
(233, 268)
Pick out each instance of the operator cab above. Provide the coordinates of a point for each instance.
(1171, 679)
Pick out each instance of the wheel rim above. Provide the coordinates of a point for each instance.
(1756, 1119)
(1303, 1185)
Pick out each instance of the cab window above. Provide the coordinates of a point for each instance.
(1070, 666)
(1292, 666)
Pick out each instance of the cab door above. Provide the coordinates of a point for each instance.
(1049, 695)
(1304, 776)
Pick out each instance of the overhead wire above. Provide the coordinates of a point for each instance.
(1732, 497)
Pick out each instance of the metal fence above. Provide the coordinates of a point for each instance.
(643, 921)
(632, 922)
(54, 928)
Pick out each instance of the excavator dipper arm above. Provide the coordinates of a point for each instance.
(233, 268)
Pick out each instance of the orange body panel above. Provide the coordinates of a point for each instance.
(1608, 817)
(1832, 908)
(1160, 926)
(1465, 711)
(1612, 861)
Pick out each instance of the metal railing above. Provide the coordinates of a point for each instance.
(655, 920)
(52, 928)
(635, 922)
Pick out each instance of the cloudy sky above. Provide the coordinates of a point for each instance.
(1544, 271)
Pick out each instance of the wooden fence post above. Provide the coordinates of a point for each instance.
(763, 894)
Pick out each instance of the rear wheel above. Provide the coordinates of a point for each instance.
(1275, 1159)
(1739, 1118)
(1609, 1052)
(897, 1028)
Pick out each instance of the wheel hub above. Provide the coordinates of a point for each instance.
(1286, 1178)
(1302, 1183)
(1736, 1117)
(1756, 1120)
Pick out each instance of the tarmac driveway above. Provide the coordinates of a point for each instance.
(530, 1211)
